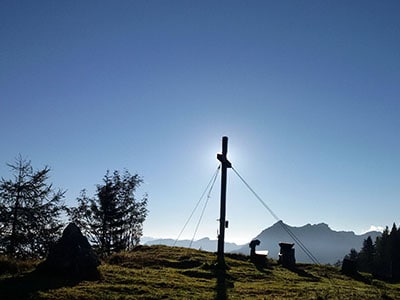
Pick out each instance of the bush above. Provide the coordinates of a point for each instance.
(13, 266)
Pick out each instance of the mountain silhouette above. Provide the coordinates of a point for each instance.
(327, 245)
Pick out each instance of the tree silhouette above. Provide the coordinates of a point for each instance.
(365, 260)
(382, 261)
(113, 219)
(353, 255)
(29, 211)
(394, 242)
(382, 258)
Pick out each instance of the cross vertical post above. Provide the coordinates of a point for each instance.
(225, 164)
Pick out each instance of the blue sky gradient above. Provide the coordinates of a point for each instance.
(307, 91)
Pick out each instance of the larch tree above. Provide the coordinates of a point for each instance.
(30, 211)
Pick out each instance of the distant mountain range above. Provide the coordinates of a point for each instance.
(327, 245)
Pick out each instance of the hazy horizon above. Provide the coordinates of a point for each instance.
(244, 242)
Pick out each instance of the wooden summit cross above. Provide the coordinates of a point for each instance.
(225, 164)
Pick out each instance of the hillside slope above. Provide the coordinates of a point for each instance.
(161, 272)
(205, 244)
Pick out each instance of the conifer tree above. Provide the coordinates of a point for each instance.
(113, 219)
(353, 255)
(30, 211)
(382, 261)
(394, 241)
(366, 256)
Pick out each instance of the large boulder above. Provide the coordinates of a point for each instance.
(72, 257)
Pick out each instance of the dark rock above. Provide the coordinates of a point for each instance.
(72, 257)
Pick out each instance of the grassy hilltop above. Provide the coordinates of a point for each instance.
(161, 272)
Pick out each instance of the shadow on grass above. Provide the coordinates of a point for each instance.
(224, 282)
(302, 273)
(28, 285)
(263, 266)
(359, 277)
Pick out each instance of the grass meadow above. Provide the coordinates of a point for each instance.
(161, 272)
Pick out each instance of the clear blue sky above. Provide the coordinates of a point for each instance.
(307, 91)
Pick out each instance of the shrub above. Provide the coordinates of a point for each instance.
(13, 266)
